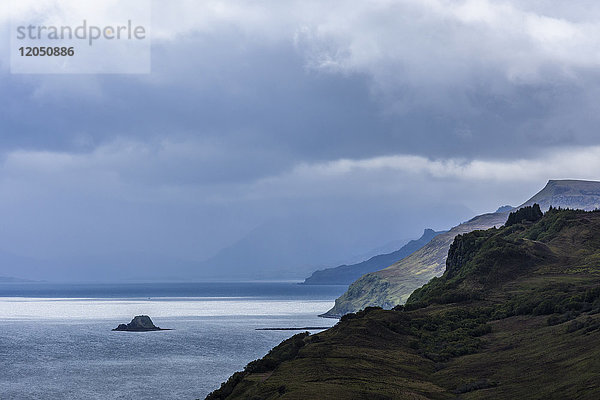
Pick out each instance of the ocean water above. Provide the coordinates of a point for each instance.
(56, 340)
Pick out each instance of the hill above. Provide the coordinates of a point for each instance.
(583, 195)
(516, 314)
(346, 274)
(393, 285)
(290, 247)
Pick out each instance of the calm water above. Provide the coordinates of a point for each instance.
(56, 340)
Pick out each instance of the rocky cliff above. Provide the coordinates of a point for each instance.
(392, 286)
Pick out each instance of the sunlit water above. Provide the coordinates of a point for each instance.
(63, 348)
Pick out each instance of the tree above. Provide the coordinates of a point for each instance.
(529, 213)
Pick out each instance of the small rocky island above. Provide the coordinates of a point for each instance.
(140, 323)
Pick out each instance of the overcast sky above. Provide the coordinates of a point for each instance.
(366, 121)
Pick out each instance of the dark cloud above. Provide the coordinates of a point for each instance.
(366, 122)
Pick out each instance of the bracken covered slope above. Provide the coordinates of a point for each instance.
(393, 285)
(515, 315)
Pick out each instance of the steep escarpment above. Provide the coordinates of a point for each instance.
(516, 314)
(346, 274)
(575, 194)
(393, 285)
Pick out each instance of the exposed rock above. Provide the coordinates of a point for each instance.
(581, 195)
(140, 323)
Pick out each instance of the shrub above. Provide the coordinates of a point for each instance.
(530, 213)
(287, 350)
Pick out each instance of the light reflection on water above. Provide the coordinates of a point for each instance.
(65, 349)
(42, 308)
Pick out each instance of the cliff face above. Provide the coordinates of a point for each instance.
(582, 195)
(516, 315)
(346, 274)
(392, 286)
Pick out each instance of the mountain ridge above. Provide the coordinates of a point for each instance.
(392, 285)
(567, 193)
(515, 315)
(346, 274)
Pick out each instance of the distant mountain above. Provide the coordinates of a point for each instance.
(290, 247)
(17, 268)
(98, 267)
(10, 279)
(346, 274)
(582, 195)
(516, 315)
(393, 285)
(278, 249)
(504, 209)
(389, 247)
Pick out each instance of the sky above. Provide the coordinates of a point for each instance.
(293, 134)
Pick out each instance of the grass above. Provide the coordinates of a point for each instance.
(393, 285)
(515, 315)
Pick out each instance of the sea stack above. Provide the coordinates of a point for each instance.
(140, 323)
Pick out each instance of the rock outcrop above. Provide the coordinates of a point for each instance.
(140, 323)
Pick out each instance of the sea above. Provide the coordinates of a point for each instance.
(56, 340)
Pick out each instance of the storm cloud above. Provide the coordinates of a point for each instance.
(363, 121)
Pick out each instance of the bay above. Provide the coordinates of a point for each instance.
(56, 340)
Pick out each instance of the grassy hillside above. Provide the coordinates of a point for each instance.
(346, 274)
(515, 315)
(394, 284)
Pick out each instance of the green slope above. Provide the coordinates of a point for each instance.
(393, 285)
(515, 315)
(346, 274)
